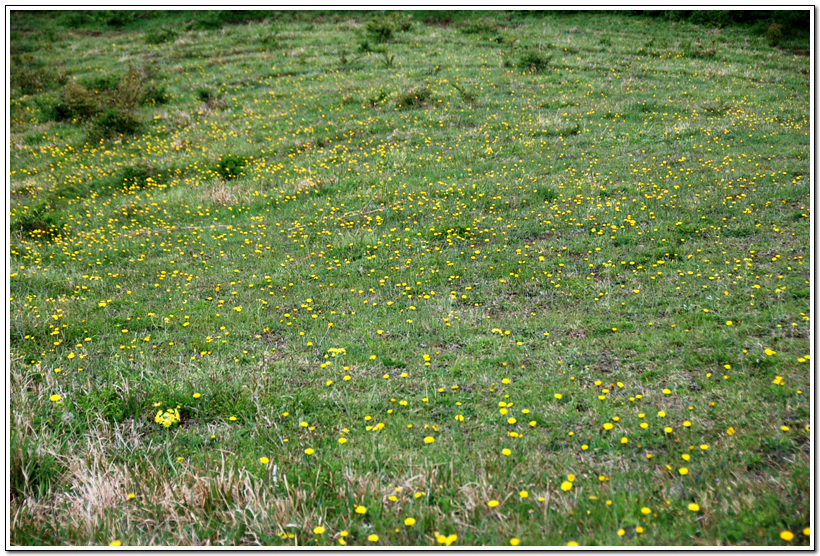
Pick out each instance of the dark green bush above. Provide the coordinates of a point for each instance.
(100, 83)
(77, 102)
(160, 36)
(203, 94)
(230, 166)
(116, 18)
(134, 176)
(216, 19)
(40, 221)
(534, 61)
(29, 75)
(114, 122)
(379, 30)
(774, 33)
(478, 28)
(414, 98)
(155, 94)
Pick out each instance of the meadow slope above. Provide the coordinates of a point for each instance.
(407, 279)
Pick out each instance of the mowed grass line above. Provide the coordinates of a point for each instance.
(407, 279)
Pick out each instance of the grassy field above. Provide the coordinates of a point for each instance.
(408, 279)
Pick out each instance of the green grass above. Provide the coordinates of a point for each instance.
(565, 245)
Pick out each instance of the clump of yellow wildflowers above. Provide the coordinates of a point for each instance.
(168, 417)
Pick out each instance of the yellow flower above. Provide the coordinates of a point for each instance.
(429, 439)
(523, 494)
(409, 522)
(342, 440)
(608, 426)
(693, 507)
(807, 531)
(492, 503)
(566, 485)
(361, 510)
(506, 451)
(572, 543)
(639, 530)
(115, 543)
(787, 535)
(645, 510)
(621, 532)
(683, 471)
(318, 530)
(310, 451)
(264, 460)
(557, 397)
(514, 541)
(730, 431)
(56, 397)
(769, 352)
(197, 395)
(373, 538)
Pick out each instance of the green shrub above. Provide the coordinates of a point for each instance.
(379, 30)
(40, 221)
(216, 19)
(204, 94)
(230, 166)
(77, 102)
(534, 61)
(414, 98)
(29, 75)
(114, 122)
(135, 176)
(115, 18)
(478, 28)
(774, 33)
(101, 83)
(160, 36)
(155, 94)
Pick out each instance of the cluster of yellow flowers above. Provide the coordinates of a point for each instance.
(168, 417)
